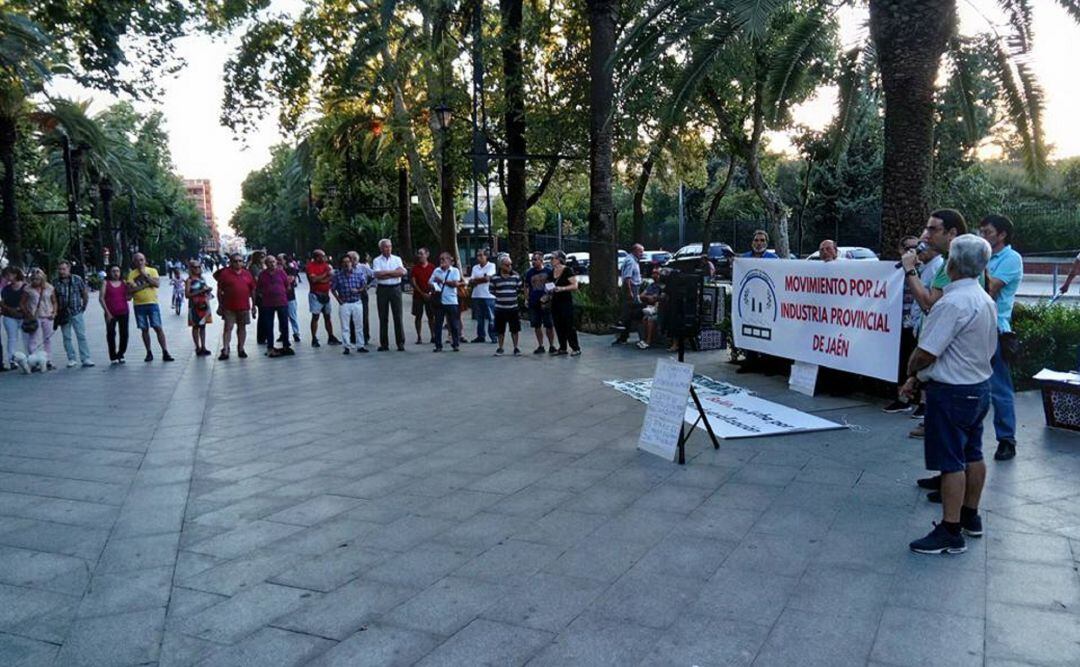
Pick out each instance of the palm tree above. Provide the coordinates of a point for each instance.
(22, 72)
(602, 15)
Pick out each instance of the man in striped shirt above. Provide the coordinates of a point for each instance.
(505, 287)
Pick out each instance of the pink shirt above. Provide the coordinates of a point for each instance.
(273, 288)
(116, 298)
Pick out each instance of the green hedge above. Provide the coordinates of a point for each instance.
(1049, 338)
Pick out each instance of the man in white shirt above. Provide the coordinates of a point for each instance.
(483, 303)
(389, 270)
(444, 282)
(953, 363)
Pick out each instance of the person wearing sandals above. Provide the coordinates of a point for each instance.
(114, 297)
(272, 294)
(11, 310)
(198, 294)
(39, 305)
(562, 304)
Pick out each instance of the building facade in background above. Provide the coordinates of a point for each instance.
(201, 194)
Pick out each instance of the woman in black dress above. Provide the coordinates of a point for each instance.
(562, 304)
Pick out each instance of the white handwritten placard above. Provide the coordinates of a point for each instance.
(667, 407)
(803, 377)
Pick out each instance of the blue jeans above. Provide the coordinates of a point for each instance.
(76, 324)
(1001, 395)
(484, 310)
(292, 317)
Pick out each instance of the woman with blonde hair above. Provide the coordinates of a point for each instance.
(39, 309)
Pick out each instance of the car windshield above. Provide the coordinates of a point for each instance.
(861, 253)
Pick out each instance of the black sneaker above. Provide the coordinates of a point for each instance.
(289, 352)
(333, 341)
(242, 354)
(478, 339)
(939, 541)
(1006, 450)
(499, 352)
(930, 483)
(315, 342)
(972, 526)
(382, 348)
(296, 338)
(540, 350)
(400, 348)
(919, 412)
(167, 357)
(345, 351)
(517, 352)
(361, 350)
(896, 406)
(149, 356)
(553, 350)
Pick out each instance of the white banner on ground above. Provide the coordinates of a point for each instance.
(733, 412)
(843, 314)
(668, 394)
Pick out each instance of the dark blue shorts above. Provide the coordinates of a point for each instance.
(540, 316)
(147, 316)
(954, 424)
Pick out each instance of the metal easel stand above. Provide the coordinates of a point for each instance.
(684, 435)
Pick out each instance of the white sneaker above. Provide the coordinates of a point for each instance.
(642, 345)
(87, 364)
(72, 364)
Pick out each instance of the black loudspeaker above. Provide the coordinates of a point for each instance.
(682, 316)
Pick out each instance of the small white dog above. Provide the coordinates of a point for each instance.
(34, 362)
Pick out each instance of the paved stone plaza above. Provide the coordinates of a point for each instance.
(459, 509)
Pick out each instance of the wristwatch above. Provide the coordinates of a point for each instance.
(911, 272)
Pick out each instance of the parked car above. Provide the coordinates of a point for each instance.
(849, 252)
(651, 257)
(688, 258)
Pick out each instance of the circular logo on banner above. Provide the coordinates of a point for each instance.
(758, 307)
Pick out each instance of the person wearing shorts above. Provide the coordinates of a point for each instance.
(953, 362)
(319, 273)
(537, 278)
(143, 284)
(423, 301)
(236, 294)
(505, 287)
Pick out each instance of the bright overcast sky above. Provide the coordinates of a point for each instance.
(202, 148)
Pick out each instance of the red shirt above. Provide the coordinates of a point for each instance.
(421, 275)
(236, 288)
(316, 270)
(273, 288)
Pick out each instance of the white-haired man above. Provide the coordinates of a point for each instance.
(953, 363)
(389, 270)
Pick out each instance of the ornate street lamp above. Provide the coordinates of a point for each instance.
(443, 116)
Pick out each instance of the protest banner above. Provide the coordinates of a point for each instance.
(732, 411)
(844, 315)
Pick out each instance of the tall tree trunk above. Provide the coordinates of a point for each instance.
(642, 184)
(910, 37)
(404, 229)
(775, 210)
(602, 226)
(448, 221)
(514, 119)
(706, 226)
(9, 216)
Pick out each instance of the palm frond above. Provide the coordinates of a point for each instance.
(789, 63)
(701, 64)
(850, 86)
(964, 81)
(22, 45)
(754, 15)
(1023, 105)
(1019, 14)
(1073, 7)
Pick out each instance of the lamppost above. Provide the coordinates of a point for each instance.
(443, 116)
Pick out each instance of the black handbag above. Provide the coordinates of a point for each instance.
(29, 325)
(1009, 344)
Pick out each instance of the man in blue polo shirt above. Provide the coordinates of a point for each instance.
(1006, 269)
(759, 246)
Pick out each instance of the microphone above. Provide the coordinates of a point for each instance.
(922, 247)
